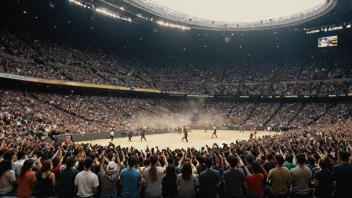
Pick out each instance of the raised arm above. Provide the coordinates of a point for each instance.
(101, 165)
(165, 160)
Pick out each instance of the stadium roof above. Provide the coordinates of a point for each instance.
(236, 15)
(135, 32)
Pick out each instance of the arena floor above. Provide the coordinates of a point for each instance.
(197, 139)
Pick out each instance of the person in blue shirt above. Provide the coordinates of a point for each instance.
(311, 163)
(342, 174)
(131, 180)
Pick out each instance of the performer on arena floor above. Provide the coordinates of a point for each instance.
(185, 132)
(130, 136)
(214, 133)
(112, 134)
(206, 128)
(241, 129)
(143, 135)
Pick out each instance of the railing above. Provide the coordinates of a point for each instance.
(170, 14)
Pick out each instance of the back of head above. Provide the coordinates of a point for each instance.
(110, 155)
(269, 157)
(289, 158)
(27, 165)
(8, 155)
(208, 161)
(255, 166)
(170, 160)
(80, 165)
(88, 163)
(300, 158)
(170, 171)
(153, 160)
(132, 161)
(46, 165)
(232, 160)
(311, 160)
(153, 174)
(5, 165)
(249, 158)
(70, 162)
(55, 161)
(279, 159)
(344, 155)
(186, 171)
(21, 155)
(323, 164)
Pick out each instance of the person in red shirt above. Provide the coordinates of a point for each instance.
(56, 166)
(255, 181)
(26, 180)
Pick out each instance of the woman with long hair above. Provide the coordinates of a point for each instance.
(186, 182)
(26, 180)
(169, 182)
(7, 179)
(45, 180)
(153, 176)
(323, 181)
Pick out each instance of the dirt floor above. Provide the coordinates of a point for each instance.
(198, 139)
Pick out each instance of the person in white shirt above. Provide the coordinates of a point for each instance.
(86, 181)
(112, 133)
(19, 163)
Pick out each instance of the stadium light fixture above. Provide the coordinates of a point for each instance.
(162, 23)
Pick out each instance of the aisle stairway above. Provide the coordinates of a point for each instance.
(250, 114)
(271, 117)
(294, 117)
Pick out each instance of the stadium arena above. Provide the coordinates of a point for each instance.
(167, 99)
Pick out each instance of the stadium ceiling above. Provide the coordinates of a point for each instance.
(235, 15)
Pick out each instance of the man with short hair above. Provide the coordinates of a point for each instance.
(289, 162)
(66, 179)
(86, 181)
(209, 179)
(278, 178)
(130, 179)
(300, 177)
(270, 163)
(233, 178)
(342, 174)
(311, 163)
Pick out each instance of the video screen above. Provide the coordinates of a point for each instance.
(329, 41)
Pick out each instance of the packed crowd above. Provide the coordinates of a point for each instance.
(299, 163)
(56, 59)
(76, 113)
